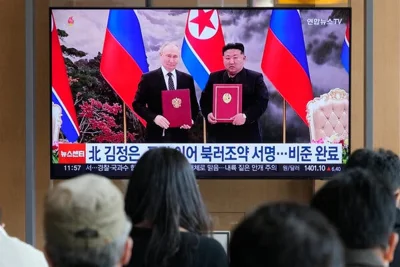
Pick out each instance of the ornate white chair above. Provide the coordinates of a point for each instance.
(56, 113)
(328, 115)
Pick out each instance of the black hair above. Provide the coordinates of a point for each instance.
(360, 206)
(163, 191)
(384, 163)
(228, 46)
(285, 235)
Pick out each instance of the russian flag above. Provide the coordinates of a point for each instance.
(346, 49)
(202, 44)
(124, 57)
(60, 91)
(284, 61)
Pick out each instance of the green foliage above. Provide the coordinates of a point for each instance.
(54, 156)
(62, 34)
(72, 52)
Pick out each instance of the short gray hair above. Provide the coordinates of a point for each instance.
(167, 44)
(107, 256)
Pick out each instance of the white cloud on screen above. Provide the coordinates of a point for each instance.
(169, 29)
(88, 31)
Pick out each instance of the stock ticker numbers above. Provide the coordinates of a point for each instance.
(254, 159)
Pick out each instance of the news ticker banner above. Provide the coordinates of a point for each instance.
(204, 153)
(60, 171)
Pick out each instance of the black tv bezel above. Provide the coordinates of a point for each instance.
(302, 176)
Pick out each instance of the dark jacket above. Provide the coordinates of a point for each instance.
(362, 258)
(254, 103)
(205, 251)
(396, 259)
(148, 104)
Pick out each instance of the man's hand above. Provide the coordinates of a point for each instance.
(161, 121)
(211, 119)
(186, 127)
(239, 119)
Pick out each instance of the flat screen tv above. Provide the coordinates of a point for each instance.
(259, 93)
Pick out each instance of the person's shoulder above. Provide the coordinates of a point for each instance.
(252, 73)
(212, 252)
(151, 74)
(16, 247)
(203, 242)
(184, 74)
(212, 246)
(209, 252)
(217, 73)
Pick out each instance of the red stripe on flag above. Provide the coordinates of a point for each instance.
(287, 75)
(59, 77)
(348, 32)
(124, 79)
(209, 50)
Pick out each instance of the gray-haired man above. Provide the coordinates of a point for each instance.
(86, 225)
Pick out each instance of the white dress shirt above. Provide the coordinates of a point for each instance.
(166, 77)
(14, 252)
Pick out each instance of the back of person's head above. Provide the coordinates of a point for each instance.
(383, 162)
(85, 224)
(285, 235)
(163, 192)
(362, 209)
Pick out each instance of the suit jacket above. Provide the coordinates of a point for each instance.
(254, 103)
(362, 258)
(396, 258)
(148, 104)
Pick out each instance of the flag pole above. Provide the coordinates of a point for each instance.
(284, 121)
(204, 130)
(124, 110)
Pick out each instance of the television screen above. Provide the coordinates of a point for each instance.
(242, 93)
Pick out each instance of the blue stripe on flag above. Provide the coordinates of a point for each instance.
(346, 56)
(281, 21)
(124, 25)
(193, 65)
(67, 126)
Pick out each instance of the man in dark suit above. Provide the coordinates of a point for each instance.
(148, 102)
(244, 128)
(385, 164)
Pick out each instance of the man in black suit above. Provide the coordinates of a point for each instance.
(148, 103)
(244, 128)
(385, 164)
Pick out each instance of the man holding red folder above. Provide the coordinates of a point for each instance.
(148, 101)
(250, 101)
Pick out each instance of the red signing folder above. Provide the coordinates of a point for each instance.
(227, 101)
(176, 107)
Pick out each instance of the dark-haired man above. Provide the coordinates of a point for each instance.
(285, 235)
(386, 165)
(244, 128)
(362, 209)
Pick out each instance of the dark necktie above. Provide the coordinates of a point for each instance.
(170, 82)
